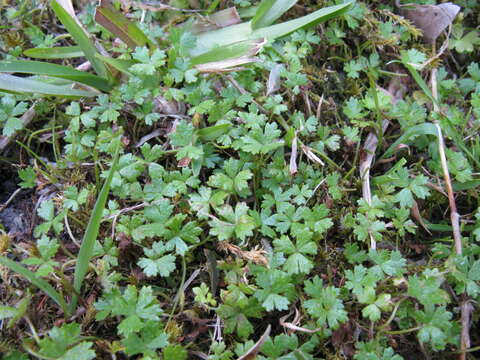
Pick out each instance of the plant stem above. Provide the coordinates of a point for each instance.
(404, 331)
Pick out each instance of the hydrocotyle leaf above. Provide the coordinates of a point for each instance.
(64, 72)
(115, 22)
(59, 52)
(80, 37)
(15, 84)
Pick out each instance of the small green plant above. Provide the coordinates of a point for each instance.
(278, 191)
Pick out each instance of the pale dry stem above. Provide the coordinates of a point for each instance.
(465, 306)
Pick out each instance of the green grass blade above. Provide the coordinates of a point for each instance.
(86, 249)
(63, 72)
(247, 13)
(213, 132)
(229, 35)
(115, 22)
(241, 32)
(15, 84)
(59, 52)
(122, 65)
(80, 37)
(410, 134)
(270, 10)
(35, 280)
(248, 47)
(283, 29)
(420, 82)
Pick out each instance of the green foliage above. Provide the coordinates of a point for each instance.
(156, 263)
(325, 304)
(46, 211)
(10, 110)
(47, 248)
(65, 342)
(236, 309)
(237, 201)
(135, 307)
(28, 177)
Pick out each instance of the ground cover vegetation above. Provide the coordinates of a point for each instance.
(282, 180)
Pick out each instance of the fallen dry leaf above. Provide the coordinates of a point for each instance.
(431, 19)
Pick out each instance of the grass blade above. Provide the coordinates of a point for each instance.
(17, 84)
(270, 10)
(115, 22)
(285, 28)
(63, 72)
(213, 132)
(411, 133)
(420, 82)
(35, 280)
(59, 52)
(86, 249)
(121, 65)
(80, 37)
(220, 19)
(249, 47)
(241, 32)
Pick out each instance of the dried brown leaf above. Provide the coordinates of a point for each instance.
(431, 19)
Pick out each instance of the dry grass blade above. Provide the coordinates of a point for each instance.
(293, 325)
(465, 307)
(307, 151)
(368, 154)
(225, 65)
(251, 354)
(293, 156)
(273, 83)
(115, 22)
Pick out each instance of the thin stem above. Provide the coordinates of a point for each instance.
(404, 331)
(180, 290)
(379, 126)
(392, 316)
